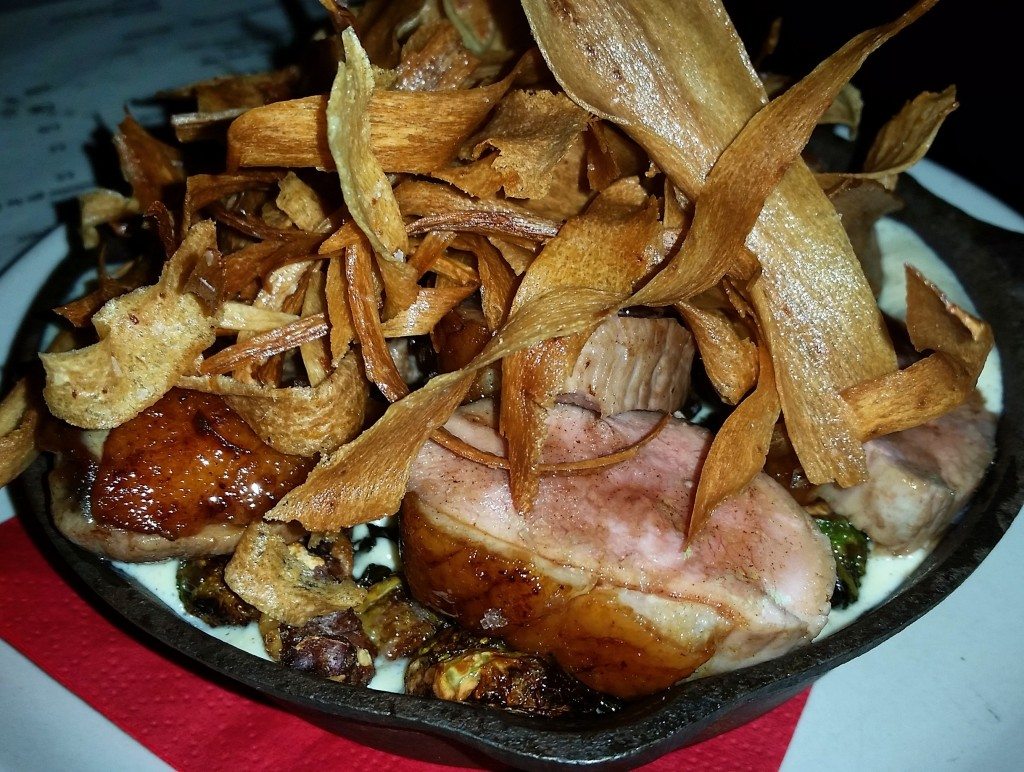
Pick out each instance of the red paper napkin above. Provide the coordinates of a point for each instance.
(195, 724)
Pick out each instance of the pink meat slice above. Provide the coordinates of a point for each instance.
(755, 583)
(632, 363)
(918, 479)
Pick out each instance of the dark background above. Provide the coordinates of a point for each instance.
(974, 44)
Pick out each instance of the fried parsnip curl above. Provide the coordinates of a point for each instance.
(932, 386)
(675, 77)
(148, 338)
(607, 248)
(19, 419)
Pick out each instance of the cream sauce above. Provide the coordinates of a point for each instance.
(885, 573)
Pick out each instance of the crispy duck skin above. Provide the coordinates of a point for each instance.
(187, 462)
(918, 479)
(600, 575)
(72, 516)
(180, 480)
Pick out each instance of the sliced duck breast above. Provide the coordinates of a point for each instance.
(918, 479)
(627, 363)
(600, 575)
(632, 363)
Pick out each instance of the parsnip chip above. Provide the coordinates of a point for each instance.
(367, 191)
(431, 304)
(434, 59)
(380, 21)
(418, 198)
(824, 330)
(151, 167)
(934, 385)
(284, 580)
(100, 207)
(301, 203)
(488, 223)
(130, 277)
(316, 355)
(605, 248)
(148, 338)
(400, 287)
(380, 367)
(729, 359)
(518, 256)
(430, 250)
(739, 448)
(297, 420)
(260, 347)
(410, 131)
(478, 178)
(366, 479)
(532, 131)
(19, 419)
(903, 141)
(338, 312)
(498, 283)
(846, 109)
(227, 92)
(602, 165)
(569, 191)
(242, 316)
(204, 189)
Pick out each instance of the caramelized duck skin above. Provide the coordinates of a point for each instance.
(600, 575)
(186, 463)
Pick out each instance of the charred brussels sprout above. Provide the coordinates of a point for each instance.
(850, 548)
(396, 625)
(331, 646)
(204, 593)
(460, 666)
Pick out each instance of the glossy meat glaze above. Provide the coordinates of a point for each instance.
(600, 575)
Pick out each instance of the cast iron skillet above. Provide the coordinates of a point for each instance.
(990, 264)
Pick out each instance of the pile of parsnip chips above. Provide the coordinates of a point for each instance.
(427, 153)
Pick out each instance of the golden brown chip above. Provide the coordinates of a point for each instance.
(147, 339)
(934, 385)
(367, 191)
(434, 59)
(606, 249)
(380, 367)
(903, 141)
(19, 419)
(316, 355)
(430, 305)
(410, 131)
(99, 207)
(260, 347)
(151, 167)
(532, 131)
(730, 359)
(297, 420)
(739, 448)
(301, 203)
